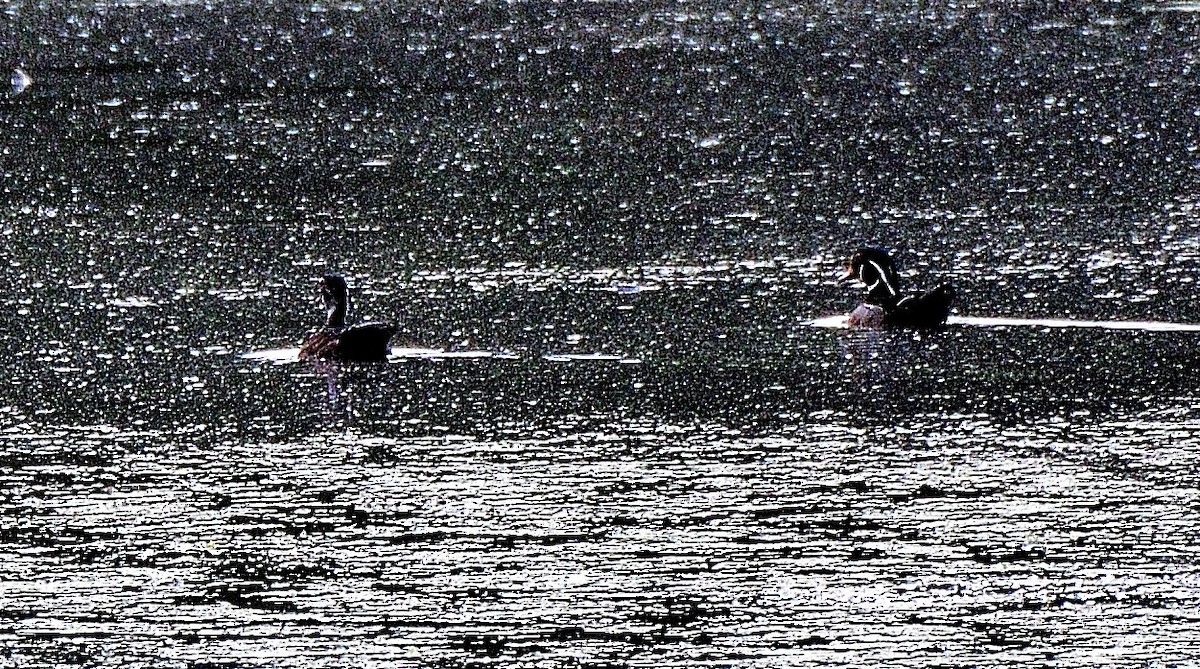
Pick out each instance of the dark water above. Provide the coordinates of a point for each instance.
(636, 207)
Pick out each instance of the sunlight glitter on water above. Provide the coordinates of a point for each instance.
(536, 193)
(783, 548)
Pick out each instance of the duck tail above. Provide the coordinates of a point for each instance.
(946, 290)
(944, 294)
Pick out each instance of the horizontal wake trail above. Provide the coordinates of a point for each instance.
(838, 322)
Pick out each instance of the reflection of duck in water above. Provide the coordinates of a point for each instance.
(885, 305)
(364, 342)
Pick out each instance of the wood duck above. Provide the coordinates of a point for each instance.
(365, 342)
(885, 305)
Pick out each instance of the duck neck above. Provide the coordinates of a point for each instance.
(335, 315)
(883, 284)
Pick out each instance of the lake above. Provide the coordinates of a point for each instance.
(616, 429)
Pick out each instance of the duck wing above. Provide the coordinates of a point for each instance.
(925, 310)
(366, 341)
(320, 344)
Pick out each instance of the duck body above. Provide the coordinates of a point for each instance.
(365, 342)
(885, 306)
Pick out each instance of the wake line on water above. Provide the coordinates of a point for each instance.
(286, 355)
(1186, 7)
(280, 356)
(840, 322)
(1143, 326)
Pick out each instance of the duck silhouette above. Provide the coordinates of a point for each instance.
(365, 342)
(885, 305)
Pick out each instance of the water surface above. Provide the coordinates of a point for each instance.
(609, 434)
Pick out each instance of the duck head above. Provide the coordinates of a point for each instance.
(336, 296)
(875, 268)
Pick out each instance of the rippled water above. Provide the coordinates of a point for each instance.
(613, 432)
